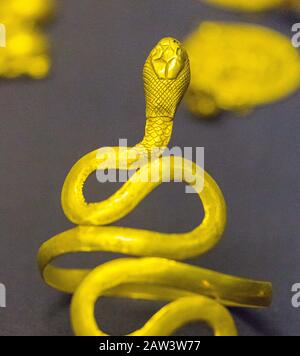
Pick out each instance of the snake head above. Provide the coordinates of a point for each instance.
(168, 58)
(166, 78)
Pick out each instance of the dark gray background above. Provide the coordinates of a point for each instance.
(94, 97)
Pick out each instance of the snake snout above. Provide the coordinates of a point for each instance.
(168, 58)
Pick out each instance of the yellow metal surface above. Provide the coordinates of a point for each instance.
(194, 293)
(238, 67)
(27, 48)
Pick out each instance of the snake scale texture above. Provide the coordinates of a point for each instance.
(193, 293)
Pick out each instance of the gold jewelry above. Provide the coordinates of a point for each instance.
(249, 5)
(237, 67)
(194, 293)
(26, 48)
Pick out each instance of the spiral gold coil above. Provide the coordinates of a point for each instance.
(194, 293)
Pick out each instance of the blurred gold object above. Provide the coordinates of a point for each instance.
(256, 5)
(294, 5)
(249, 5)
(237, 67)
(26, 47)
